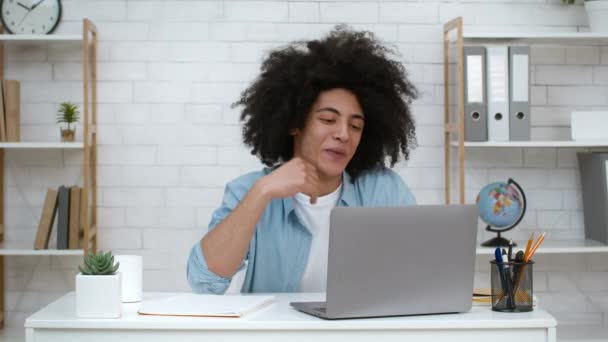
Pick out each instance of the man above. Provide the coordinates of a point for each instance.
(324, 116)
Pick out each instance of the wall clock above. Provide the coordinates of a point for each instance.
(30, 16)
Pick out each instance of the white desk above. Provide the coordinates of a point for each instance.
(280, 322)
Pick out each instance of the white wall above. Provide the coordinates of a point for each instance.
(168, 140)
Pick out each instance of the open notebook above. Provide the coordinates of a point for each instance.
(190, 304)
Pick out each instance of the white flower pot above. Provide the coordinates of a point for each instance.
(597, 12)
(98, 296)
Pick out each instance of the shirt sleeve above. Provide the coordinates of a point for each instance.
(201, 279)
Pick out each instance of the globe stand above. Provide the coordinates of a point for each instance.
(498, 241)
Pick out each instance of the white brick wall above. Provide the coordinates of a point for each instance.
(169, 141)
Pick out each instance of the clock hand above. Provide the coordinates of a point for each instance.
(22, 19)
(22, 5)
(36, 4)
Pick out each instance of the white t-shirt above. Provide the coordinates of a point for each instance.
(315, 217)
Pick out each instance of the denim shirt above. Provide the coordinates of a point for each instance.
(278, 251)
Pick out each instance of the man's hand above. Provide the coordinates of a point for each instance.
(297, 175)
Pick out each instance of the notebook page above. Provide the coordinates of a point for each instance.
(190, 304)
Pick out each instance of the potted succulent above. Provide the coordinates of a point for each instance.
(67, 113)
(597, 12)
(98, 287)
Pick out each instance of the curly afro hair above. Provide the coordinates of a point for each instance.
(292, 77)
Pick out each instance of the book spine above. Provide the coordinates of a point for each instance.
(46, 220)
(63, 218)
(74, 229)
(12, 109)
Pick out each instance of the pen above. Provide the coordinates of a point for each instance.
(509, 281)
(504, 279)
(509, 254)
(498, 256)
(517, 268)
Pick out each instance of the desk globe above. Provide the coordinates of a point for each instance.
(502, 206)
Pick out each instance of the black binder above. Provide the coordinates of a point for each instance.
(63, 217)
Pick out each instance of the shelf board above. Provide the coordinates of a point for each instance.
(546, 143)
(558, 247)
(536, 36)
(43, 145)
(38, 38)
(24, 248)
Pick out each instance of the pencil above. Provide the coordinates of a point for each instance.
(528, 246)
(527, 259)
(536, 245)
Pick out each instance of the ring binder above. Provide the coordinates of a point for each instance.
(519, 100)
(498, 92)
(475, 106)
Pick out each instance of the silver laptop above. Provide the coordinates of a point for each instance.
(393, 261)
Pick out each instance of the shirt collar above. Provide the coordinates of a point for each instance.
(347, 197)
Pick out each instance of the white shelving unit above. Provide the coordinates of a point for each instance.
(454, 131)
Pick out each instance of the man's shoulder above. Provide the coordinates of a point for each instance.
(378, 177)
(383, 187)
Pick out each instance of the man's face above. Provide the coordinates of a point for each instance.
(331, 133)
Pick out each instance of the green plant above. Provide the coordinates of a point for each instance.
(99, 264)
(67, 113)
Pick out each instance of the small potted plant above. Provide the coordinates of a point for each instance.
(98, 287)
(67, 113)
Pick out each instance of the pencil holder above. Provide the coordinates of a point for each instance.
(511, 283)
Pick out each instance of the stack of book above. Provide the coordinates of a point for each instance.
(9, 110)
(65, 204)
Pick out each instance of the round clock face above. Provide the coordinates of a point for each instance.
(30, 16)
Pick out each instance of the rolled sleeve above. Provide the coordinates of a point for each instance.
(201, 279)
